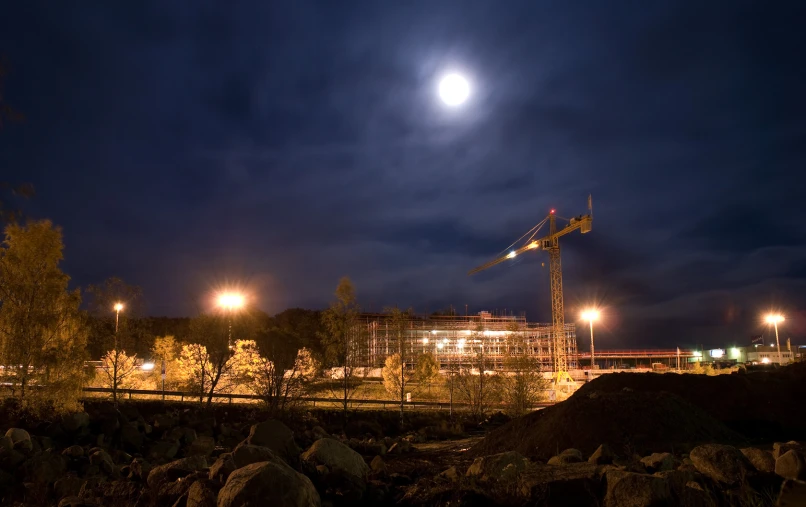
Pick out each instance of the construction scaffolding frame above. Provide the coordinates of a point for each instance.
(454, 340)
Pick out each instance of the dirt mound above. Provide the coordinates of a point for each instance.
(761, 406)
(629, 421)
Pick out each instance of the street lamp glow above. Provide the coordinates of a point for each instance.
(454, 89)
(775, 319)
(590, 315)
(118, 307)
(230, 300)
(148, 366)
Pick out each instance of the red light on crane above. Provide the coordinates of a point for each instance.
(552, 212)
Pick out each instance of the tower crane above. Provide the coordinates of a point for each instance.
(551, 242)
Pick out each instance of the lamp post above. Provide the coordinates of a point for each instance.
(118, 307)
(774, 319)
(230, 302)
(590, 316)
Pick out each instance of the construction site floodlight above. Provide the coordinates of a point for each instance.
(118, 307)
(425, 341)
(774, 318)
(230, 300)
(512, 254)
(590, 315)
(439, 346)
(445, 341)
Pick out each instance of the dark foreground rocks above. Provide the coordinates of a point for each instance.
(122, 458)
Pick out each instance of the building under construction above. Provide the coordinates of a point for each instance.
(455, 340)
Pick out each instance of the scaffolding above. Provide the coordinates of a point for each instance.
(455, 340)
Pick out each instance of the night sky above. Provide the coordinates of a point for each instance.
(281, 145)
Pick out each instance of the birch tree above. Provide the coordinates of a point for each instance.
(42, 332)
(344, 340)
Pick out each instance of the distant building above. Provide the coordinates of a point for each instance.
(760, 354)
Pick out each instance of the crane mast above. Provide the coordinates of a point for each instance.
(551, 242)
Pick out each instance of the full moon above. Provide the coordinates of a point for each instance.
(453, 89)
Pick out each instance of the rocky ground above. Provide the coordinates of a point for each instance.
(618, 445)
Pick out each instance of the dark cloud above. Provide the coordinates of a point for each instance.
(183, 145)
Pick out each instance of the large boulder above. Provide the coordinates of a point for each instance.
(722, 463)
(202, 493)
(658, 462)
(506, 465)
(269, 483)
(103, 461)
(628, 489)
(779, 448)
(603, 455)
(791, 465)
(175, 470)
(69, 485)
(44, 468)
(75, 422)
(74, 451)
(130, 437)
(201, 446)
(336, 456)
(760, 459)
(139, 469)
(277, 437)
(20, 439)
(793, 493)
(246, 454)
(565, 457)
(222, 467)
(572, 484)
(163, 450)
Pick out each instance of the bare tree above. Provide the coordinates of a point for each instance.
(117, 367)
(280, 382)
(477, 388)
(345, 340)
(522, 383)
(398, 320)
(211, 360)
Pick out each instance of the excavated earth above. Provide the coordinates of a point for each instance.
(648, 412)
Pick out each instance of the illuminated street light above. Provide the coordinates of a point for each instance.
(774, 319)
(230, 301)
(118, 307)
(590, 316)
